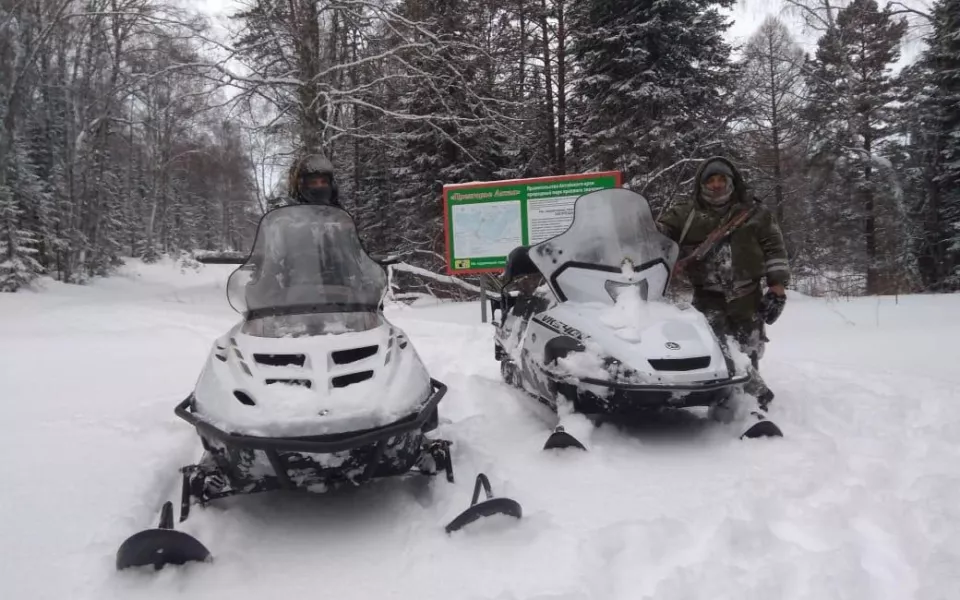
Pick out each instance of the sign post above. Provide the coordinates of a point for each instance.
(483, 300)
(483, 222)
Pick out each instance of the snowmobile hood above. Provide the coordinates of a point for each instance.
(658, 341)
(739, 185)
(311, 385)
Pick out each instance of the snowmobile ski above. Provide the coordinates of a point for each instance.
(161, 546)
(560, 439)
(489, 507)
(763, 428)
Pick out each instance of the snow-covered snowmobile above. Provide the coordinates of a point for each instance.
(599, 333)
(312, 389)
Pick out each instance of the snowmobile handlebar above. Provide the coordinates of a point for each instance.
(320, 444)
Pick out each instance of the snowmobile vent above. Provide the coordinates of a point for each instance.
(345, 380)
(244, 398)
(301, 382)
(680, 364)
(344, 357)
(280, 360)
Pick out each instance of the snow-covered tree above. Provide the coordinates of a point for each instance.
(773, 130)
(942, 210)
(852, 91)
(467, 144)
(18, 244)
(651, 80)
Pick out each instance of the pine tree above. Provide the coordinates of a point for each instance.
(942, 61)
(18, 263)
(852, 91)
(650, 81)
(916, 162)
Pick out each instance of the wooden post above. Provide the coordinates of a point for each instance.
(483, 298)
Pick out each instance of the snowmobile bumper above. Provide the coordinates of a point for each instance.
(706, 386)
(627, 398)
(240, 463)
(320, 444)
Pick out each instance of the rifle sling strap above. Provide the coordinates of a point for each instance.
(717, 234)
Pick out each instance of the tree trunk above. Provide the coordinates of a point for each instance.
(548, 85)
(307, 47)
(775, 131)
(869, 225)
(561, 89)
(522, 15)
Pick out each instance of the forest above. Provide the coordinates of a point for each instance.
(139, 128)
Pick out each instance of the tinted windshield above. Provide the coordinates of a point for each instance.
(611, 229)
(306, 259)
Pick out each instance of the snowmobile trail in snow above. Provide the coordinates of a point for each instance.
(860, 500)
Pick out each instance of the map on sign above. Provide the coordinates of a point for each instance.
(485, 221)
(487, 227)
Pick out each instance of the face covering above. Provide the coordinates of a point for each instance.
(315, 195)
(717, 198)
(318, 195)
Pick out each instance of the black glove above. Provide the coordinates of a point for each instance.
(771, 305)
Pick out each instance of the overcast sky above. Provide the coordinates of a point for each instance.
(748, 14)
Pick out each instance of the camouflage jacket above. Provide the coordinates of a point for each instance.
(739, 261)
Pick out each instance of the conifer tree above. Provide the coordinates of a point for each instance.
(942, 61)
(651, 80)
(851, 97)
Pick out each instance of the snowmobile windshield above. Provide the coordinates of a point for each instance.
(612, 242)
(306, 260)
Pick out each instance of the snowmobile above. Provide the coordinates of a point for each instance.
(598, 333)
(312, 390)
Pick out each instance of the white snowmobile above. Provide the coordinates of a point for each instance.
(313, 389)
(599, 333)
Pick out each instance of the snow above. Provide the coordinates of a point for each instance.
(860, 500)
(631, 314)
(588, 363)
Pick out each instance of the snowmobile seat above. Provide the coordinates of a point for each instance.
(518, 264)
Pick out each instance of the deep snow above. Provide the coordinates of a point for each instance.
(861, 500)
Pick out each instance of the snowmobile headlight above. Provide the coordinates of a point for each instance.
(615, 288)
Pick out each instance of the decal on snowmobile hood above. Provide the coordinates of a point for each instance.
(559, 326)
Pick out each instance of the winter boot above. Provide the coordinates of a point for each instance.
(764, 399)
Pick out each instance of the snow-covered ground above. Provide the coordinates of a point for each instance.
(860, 500)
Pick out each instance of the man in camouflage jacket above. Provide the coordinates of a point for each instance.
(726, 281)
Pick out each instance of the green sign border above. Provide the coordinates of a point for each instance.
(511, 190)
